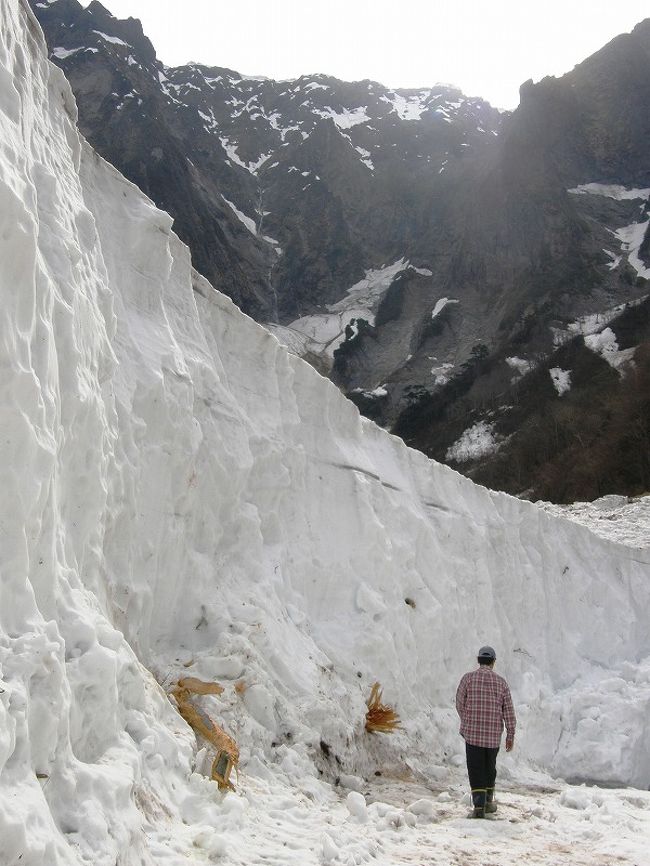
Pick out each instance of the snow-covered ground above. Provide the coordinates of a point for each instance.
(179, 495)
(617, 518)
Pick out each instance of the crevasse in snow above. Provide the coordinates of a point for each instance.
(179, 493)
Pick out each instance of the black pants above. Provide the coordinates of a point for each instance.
(482, 772)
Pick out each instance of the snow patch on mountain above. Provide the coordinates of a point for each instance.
(440, 305)
(114, 40)
(477, 441)
(592, 323)
(409, 107)
(615, 191)
(605, 344)
(323, 333)
(63, 53)
(561, 380)
(365, 157)
(247, 221)
(631, 237)
(442, 373)
(615, 260)
(346, 118)
(522, 366)
(231, 149)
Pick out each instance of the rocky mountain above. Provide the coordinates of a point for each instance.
(438, 259)
(286, 192)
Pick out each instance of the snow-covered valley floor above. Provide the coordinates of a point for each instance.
(392, 822)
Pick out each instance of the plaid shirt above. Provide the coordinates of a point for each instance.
(484, 705)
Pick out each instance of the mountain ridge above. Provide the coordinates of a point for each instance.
(294, 194)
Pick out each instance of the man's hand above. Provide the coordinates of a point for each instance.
(510, 745)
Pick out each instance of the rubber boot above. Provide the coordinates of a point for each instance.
(478, 800)
(490, 805)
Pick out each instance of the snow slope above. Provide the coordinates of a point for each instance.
(181, 494)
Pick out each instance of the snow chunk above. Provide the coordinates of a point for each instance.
(478, 441)
(356, 804)
(561, 379)
(423, 808)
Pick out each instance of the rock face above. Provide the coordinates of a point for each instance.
(432, 255)
(285, 192)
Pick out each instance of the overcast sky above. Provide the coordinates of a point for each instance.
(486, 47)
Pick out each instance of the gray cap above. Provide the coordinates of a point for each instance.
(486, 652)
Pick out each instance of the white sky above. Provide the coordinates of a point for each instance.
(486, 47)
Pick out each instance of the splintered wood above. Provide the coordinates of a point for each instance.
(380, 717)
(227, 749)
(194, 686)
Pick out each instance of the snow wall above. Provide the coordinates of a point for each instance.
(179, 494)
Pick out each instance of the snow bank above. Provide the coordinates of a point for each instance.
(181, 494)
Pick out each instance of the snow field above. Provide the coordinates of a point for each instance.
(323, 333)
(182, 495)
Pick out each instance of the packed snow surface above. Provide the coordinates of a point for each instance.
(180, 496)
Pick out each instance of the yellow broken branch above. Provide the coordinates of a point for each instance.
(380, 717)
(227, 750)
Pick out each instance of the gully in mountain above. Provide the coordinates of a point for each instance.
(484, 704)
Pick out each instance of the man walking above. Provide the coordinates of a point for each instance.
(484, 704)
